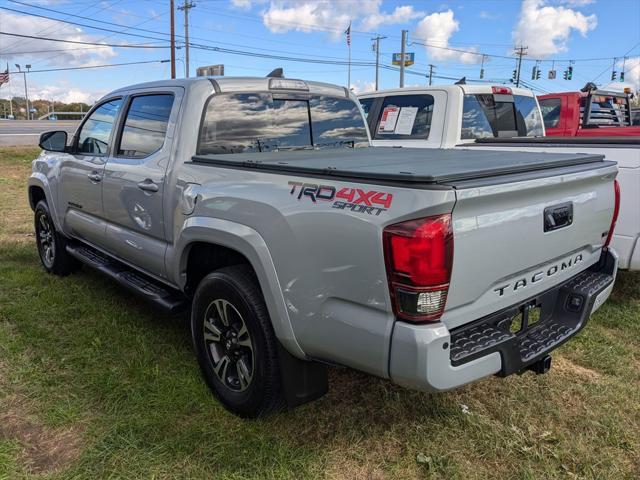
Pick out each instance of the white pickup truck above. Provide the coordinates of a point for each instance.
(500, 117)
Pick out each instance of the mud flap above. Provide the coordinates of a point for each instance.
(302, 381)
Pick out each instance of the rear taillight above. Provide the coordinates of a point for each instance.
(616, 211)
(419, 256)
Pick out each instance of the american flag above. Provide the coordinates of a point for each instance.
(4, 76)
(348, 33)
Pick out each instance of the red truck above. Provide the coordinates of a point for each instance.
(587, 113)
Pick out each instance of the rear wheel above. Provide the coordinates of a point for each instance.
(235, 343)
(52, 246)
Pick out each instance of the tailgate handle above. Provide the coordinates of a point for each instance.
(558, 216)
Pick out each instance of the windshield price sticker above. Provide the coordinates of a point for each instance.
(388, 120)
(397, 121)
(406, 119)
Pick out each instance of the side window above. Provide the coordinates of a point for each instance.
(528, 118)
(366, 105)
(405, 117)
(475, 123)
(96, 131)
(145, 125)
(550, 109)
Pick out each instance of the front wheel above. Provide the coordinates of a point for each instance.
(52, 246)
(235, 343)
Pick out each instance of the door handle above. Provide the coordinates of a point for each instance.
(94, 177)
(148, 186)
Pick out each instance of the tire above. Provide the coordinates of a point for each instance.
(52, 246)
(229, 320)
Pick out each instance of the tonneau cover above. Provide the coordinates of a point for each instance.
(428, 166)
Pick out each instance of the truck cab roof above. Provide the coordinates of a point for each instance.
(453, 89)
(244, 84)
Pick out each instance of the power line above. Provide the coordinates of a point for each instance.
(145, 30)
(91, 66)
(79, 42)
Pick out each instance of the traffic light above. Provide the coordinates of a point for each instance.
(565, 75)
(514, 76)
(614, 74)
(622, 76)
(481, 73)
(570, 73)
(533, 73)
(537, 74)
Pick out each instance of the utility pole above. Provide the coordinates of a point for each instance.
(402, 52)
(520, 51)
(376, 47)
(173, 40)
(188, 4)
(431, 67)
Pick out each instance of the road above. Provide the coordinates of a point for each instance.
(27, 132)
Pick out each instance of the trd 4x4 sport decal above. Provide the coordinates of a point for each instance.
(357, 200)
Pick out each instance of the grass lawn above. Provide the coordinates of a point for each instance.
(96, 384)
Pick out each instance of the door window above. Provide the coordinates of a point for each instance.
(96, 131)
(145, 125)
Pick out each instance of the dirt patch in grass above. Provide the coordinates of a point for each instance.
(567, 367)
(45, 450)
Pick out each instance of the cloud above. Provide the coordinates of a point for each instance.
(546, 29)
(60, 92)
(631, 73)
(436, 30)
(37, 52)
(488, 16)
(333, 16)
(241, 4)
(362, 86)
(401, 14)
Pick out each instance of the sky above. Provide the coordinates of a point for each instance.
(456, 37)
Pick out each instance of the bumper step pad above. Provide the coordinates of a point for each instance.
(157, 293)
(564, 310)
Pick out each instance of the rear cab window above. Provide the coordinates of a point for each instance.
(404, 117)
(495, 116)
(550, 109)
(258, 122)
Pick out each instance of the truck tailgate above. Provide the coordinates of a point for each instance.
(504, 250)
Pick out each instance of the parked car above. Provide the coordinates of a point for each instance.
(588, 113)
(500, 118)
(246, 200)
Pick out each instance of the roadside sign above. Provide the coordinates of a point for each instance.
(408, 59)
(210, 71)
(552, 74)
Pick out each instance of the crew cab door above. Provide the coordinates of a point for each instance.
(82, 170)
(134, 179)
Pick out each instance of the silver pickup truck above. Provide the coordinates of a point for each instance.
(248, 201)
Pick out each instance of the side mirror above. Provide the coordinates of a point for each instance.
(54, 141)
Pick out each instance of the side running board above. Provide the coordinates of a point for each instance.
(151, 290)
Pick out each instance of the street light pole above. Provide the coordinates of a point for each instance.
(26, 94)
